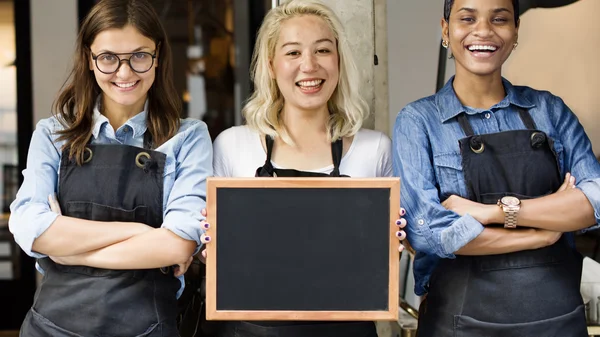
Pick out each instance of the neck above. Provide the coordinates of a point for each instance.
(481, 92)
(305, 124)
(118, 114)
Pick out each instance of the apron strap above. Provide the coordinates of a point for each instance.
(267, 169)
(337, 149)
(526, 118)
(465, 125)
(148, 142)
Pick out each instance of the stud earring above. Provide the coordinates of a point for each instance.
(445, 44)
(515, 45)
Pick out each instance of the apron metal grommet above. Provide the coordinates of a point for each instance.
(479, 149)
(138, 159)
(537, 139)
(87, 155)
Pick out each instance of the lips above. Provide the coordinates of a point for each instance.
(310, 84)
(125, 85)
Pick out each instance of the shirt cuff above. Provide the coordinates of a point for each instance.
(186, 228)
(25, 235)
(591, 189)
(461, 232)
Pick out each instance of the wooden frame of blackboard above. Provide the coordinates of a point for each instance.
(391, 187)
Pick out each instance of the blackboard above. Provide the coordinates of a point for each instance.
(302, 249)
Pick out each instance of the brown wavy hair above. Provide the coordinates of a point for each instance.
(74, 107)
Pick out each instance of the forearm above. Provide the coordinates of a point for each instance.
(564, 211)
(71, 236)
(153, 249)
(500, 241)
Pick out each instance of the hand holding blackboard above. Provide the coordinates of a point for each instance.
(338, 261)
(400, 234)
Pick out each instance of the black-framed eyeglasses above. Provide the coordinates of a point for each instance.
(109, 63)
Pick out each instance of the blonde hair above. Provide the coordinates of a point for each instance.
(347, 108)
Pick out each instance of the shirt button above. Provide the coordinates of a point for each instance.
(488, 115)
(420, 222)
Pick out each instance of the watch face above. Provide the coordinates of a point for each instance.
(510, 201)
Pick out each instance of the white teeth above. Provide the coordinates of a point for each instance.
(310, 83)
(125, 85)
(481, 47)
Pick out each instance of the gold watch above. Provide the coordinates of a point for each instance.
(510, 206)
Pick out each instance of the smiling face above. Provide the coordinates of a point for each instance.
(481, 35)
(124, 88)
(305, 63)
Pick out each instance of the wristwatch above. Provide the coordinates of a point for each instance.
(510, 206)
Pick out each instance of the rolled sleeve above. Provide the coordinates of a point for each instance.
(462, 231)
(578, 157)
(432, 229)
(187, 198)
(31, 215)
(591, 189)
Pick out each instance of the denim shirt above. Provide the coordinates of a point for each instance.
(188, 164)
(427, 158)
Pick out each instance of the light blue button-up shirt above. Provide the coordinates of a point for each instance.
(188, 164)
(426, 156)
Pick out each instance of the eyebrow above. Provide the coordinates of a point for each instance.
(298, 43)
(131, 52)
(495, 11)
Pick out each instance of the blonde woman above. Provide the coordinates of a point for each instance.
(303, 120)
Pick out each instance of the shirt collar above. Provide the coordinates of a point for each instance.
(449, 106)
(137, 122)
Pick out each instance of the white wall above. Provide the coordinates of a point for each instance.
(414, 37)
(53, 33)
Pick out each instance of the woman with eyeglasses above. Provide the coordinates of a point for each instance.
(488, 171)
(130, 179)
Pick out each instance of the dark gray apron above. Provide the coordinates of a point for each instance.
(531, 293)
(298, 328)
(115, 183)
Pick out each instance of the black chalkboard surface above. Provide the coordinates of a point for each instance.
(302, 249)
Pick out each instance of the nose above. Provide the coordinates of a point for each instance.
(483, 28)
(124, 69)
(309, 63)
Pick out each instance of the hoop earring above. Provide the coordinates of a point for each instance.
(515, 45)
(445, 44)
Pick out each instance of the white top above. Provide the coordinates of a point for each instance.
(238, 152)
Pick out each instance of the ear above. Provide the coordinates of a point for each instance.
(445, 30)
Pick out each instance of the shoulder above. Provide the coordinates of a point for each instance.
(535, 96)
(372, 138)
(421, 106)
(192, 126)
(236, 136)
(421, 112)
(47, 129)
(49, 125)
(369, 143)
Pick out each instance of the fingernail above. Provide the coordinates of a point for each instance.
(399, 234)
(207, 238)
(398, 222)
(206, 225)
(402, 211)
